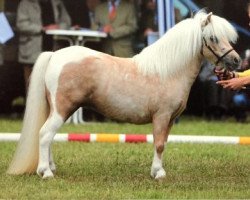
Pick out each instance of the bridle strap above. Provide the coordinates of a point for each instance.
(219, 58)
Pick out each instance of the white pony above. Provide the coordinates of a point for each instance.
(152, 86)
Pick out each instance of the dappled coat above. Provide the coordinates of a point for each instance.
(29, 25)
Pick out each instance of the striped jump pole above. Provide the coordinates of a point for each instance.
(134, 138)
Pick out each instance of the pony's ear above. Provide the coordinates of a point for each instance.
(207, 20)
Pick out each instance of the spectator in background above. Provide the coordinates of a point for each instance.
(34, 17)
(241, 100)
(82, 16)
(118, 19)
(82, 12)
(236, 81)
(148, 19)
(91, 5)
(217, 102)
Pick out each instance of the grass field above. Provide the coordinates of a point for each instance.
(121, 171)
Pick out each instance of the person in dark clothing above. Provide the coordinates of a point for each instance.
(217, 102)
(81, 12)
(82, 16)
(48, 21)
(148, 20)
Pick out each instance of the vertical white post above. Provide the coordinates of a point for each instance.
(166, 18)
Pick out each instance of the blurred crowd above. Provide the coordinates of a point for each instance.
(128, 24)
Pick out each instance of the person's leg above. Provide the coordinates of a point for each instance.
(240, 104)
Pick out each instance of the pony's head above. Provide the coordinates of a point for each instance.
(217, 34)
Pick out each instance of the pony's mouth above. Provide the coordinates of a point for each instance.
(225, 66)
(219, 68)
(222, 73)
(229, 66)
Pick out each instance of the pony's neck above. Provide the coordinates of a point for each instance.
(177, 49)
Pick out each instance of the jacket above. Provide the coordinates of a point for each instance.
(29, 26)
(125, 25)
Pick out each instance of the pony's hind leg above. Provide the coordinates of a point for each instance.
(160, 133)
(47, 133)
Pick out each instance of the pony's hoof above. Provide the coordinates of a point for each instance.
(48, 175)
(45, 174)
(158, 174)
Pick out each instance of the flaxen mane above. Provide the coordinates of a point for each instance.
(181, 44)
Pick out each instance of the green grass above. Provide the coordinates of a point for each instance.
(121, 171)
(186, 126)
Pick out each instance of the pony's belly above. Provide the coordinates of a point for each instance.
(135, 119)
(129, 114)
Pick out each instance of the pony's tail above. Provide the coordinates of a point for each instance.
(26, 156)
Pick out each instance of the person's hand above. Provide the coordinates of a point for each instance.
(224, 74)
(51, 27)
(234, 83)
(148, 31)
(76, 27)
(107, 28)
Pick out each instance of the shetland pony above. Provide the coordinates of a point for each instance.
(153, 86)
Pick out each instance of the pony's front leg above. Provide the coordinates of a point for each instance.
(47, 133)
(51, 161)
(160, 132)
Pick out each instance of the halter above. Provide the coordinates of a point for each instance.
(219, 58)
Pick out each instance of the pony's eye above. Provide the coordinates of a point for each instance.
(213, 39)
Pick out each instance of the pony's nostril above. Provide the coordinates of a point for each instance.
(236, 61)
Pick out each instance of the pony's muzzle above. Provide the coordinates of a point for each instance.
(232, 61)
(236, 61)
